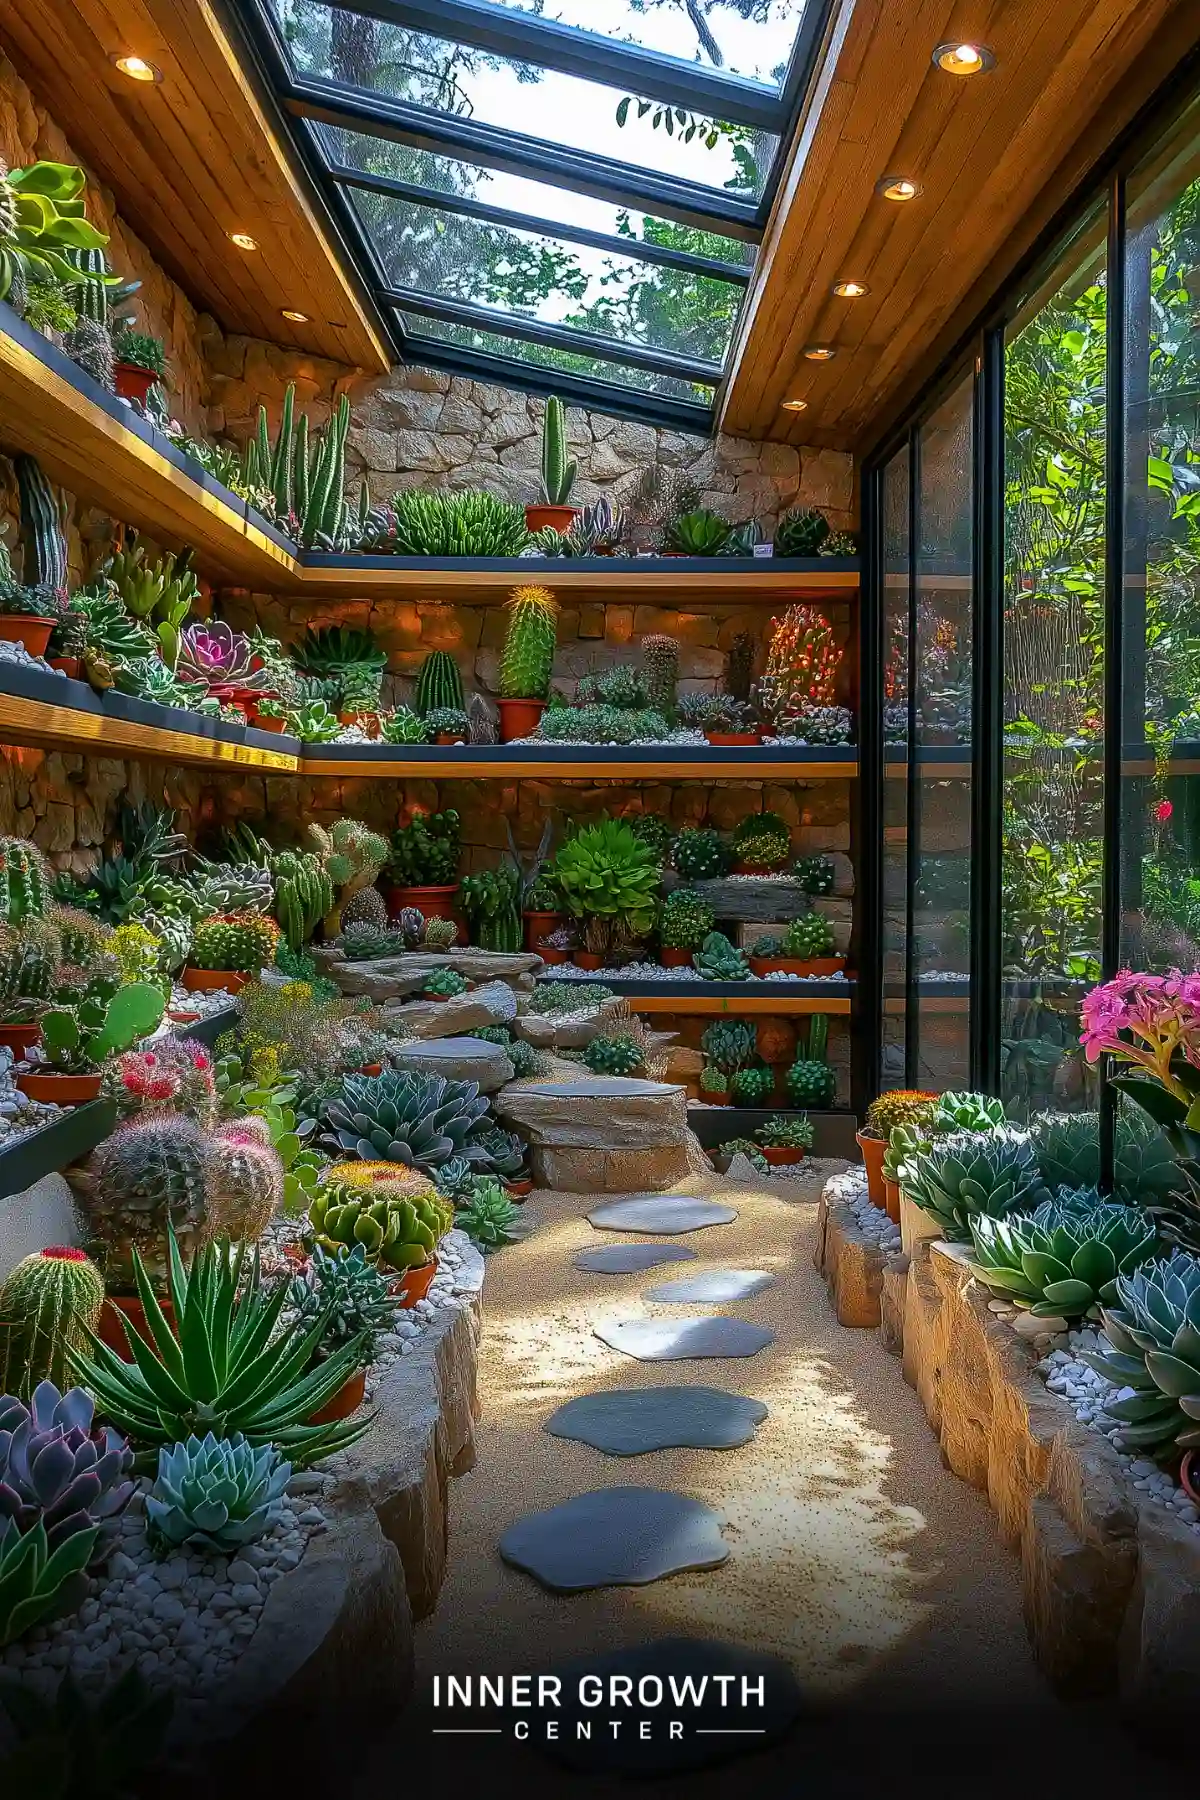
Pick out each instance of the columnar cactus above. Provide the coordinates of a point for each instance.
(30, 954)
(150, 1174)
(527, 661)
(245, 1180)
(48, 1303)
(661, 654)
(439, 684)
(24, 881)
(558, 473)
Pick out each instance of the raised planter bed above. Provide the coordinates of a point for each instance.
(56, 1145)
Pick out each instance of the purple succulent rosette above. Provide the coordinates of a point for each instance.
(56, 1465)
(212, 655)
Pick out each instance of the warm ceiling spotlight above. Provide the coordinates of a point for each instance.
(137, 68)
(297, 318)
(850, 290)
(819, 352)
(794, 405)
(243, 240)
(898, 187)
(963, 59)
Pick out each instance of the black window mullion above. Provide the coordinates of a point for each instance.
(1114, 612)
(987, 717)
(867, 1038)
(911, 823)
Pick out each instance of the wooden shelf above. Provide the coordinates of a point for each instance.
(680, 581)
(516, 762)
(726, 996)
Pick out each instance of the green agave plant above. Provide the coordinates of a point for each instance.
(965, 1174)
(232, 1367)
(607, 871)
(1064, 1259)
(967, 1112)
(1154, 1331)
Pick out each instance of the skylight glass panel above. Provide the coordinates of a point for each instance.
(531, 102)
(546, 356)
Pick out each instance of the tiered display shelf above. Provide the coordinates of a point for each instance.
(703, 997)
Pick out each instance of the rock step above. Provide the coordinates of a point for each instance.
(667, 1214)
(631, 1259)
(460, 1059)
(637, 1421)
(615, 1537)
(676, 1340)
(712, 1287)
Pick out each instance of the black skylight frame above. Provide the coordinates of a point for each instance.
(308, 104)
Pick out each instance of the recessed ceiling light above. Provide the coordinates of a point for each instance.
(794, 405)
(819, 352)
(137, 68)
(964, 59)
(850, 290)
(297, 318)
(898, 187)
(243, 240)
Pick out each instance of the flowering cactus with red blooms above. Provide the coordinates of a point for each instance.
(176, 1075)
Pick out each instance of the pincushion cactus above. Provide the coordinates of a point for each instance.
(245, 1180)
(149, 1174)
(240, 943)
(61, 1470)
(215, 1494)
(685, 921)
(614, 1056)
(48, 1303)
(30, 954)
(366, 907)
(527, 661)
(440, 934)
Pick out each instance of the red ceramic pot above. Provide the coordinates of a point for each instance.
(449, 737)
(178, 1016)
(518, 1189)
(348, 1399)
(779, 1154)
(28, 629)
(1189, 1475)
(412, 1285)
(67, 665)
(369, 721)
(519, 718)
(539, 925)
(559, 518)
(110, 1330)
(584, 959)
(891, 1200)
(872, 1154)
(551, 957)
(716, 1099)
(261, 724)
(677, 959)
(63, 1090)
(133, 383)
(434, 902)
(19, 1038)
(734, 737)
(371, 1069)
(207, 981)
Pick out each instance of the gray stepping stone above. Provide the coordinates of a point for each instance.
(615, 1537)
(713, 1287)
(673, 1340)
(634, 1421)
(631, 1259)
(712, 1732)
(666, 1214)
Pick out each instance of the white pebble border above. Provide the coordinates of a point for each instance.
(14, 651)
(20, 1116)
(205, 1002)
(850, 1189)
(648, 971)
(186, 1619)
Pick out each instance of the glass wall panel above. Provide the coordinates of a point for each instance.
(897, 593)
(1053, 700)
(940, 762)
(1160, 800)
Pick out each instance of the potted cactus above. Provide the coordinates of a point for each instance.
(804, 949)
(29, 957)
(527, 661)
(558, 475)
(902, 1106)
(348, 1286)
(731, 721)
(422, 865)
(684, 923)
(78, 1039)
(228, 949)
(541, 910)
(150, 1178)
(714, 1085)
(786, 1139)
(557, 945)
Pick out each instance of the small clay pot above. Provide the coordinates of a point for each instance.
(725, 1099)
(873, 1149)
(67, 665)
(434, 902)
(551, 957)
(519, 718)
(449, 737)
(891, 1200)
(539, 925)
(64, 1090)
(586, 959)
(132, 382)
(371, 1069)
(28, 629)
(110, 1330)
(348, 1399)
(412, 1285)
(1189, 1475)
(20, 1038)
(734, 737)
(178, 1016)
(519, 1189)
(207, 981)
(261, 724)
(559, 518)
(779, 1154)
(677, 959)
(369, 721)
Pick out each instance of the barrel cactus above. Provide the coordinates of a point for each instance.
(150, 1174)
(30, 954)
(439, 684)
(48, 1304)
(215, 1494)
(365, 908)
(440, 934)
(240, 943)
(245, 1180)
(527, 660)
(614, 1056)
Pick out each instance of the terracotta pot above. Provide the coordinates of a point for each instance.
(796, 965)
(110, 1330)
(677, 959)
(519, 1189)
(734, 737)
(369, 721)
(742, 868)
(1189, 1475)
(64, 1090)
(29, 628)
(434, 902)
(348, 1399)
(872, 1154)
(133, 383)
(413, 1284)
(539, 925)
(891, 1199)
(178, 1016)
(518, 718)
(778, 1154)
(560, 518)
(552, 957)
(67, 665)
(244, 699)
(716, 1099)
(261, 724)
(207, 981)
(19, 1037)
(449, 737)
(371, 1069)
(825, 965)
(585, 959)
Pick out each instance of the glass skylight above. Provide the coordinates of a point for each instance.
(559, 184)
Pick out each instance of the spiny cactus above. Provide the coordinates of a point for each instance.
(527, 661)
(89, 345)
(801, 532)
(245, 1180)
(558, 473)
(48, 1303)
(685, 921)
(439, 684)
(352, 855)
(810, 1080)
(30, 954)
(151, 1174)
(440, 934)
(661, 655)
(42, 532)
(216, 1494)
(752, 1086)
(614, 1056)
(242, 943)
(25, 881)
(366, 907)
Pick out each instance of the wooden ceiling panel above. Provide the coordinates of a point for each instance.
(190, 159)
(992, 153)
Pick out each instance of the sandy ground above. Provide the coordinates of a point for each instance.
(855, 1555)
